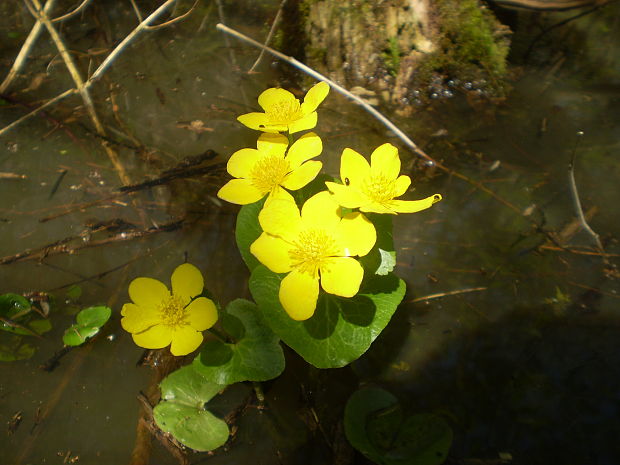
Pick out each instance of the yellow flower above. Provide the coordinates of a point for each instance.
(316, 245)
(372, 188)
(267, 169)
(157, 317)
(283, 112)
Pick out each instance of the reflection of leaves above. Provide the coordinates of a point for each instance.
(256, 354)
(89, 322)
(375, 425)
(341, 329)
(12, 349)
(182, 412)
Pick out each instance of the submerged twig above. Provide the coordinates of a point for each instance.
(65, 246)
(274, 25)
(446, 294)
(576, 202)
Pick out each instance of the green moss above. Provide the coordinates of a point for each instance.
(469, 45)
(391, 56)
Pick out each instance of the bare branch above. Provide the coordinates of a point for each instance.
(276, 21)
(174, 20)
(72, 13)
(25, 50)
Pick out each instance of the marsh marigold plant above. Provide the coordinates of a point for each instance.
(157, 317)
(316, 245)
(374, 187)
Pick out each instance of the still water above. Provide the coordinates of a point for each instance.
(510, 325)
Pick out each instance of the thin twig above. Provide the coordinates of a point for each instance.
(575, 194)
(174, 20)
(231, 54)
(446, 294)
(276, 21)
(72, 13)
(21, 58)
(136, 10)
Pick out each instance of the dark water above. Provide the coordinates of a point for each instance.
(522, 358)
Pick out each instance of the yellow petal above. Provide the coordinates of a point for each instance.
(321, 211)
(240, 191)
(384, 161)
(273, 252)
(354, 168)
(401, 185)
(185, 340)
(279, 194)
(375, 207)
(306, 147)
(271, 144)
(187, 282)
(280, 218)
(155, 337)
(201, 313)
(347, 196)
(241, 163)
(304, 123)
(302, 175)
(412, 206)
(341, 276)
(274, 96)
(136, 319)
(358, 234)
(253, 120)
(298, 295)
(314, 97)
(148, 292)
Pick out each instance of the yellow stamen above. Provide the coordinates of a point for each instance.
(310, 251)
(269, 172)
(172, 311)
(284, 112)
(379, 188)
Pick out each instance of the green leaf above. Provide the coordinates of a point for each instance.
(341, 329)
(374, 425)
(255, 356)
(13, 304)
(94, 316)
(382, 258)
(77, 335)
(74, 292)
(40, 326)
(247, 231)
(359, 407)
(182, 410)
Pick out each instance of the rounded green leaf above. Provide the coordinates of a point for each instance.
(94, 316)
(77, 335)
(182, 410)
(40, 326)
(374, 425)
(342, 329)
(256, 355)
(13, 304)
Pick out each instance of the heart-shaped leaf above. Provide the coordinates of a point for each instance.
(375, 425)
(89, 322)
(182, 412)
(256, 354)
(341, 329)
(247, 231)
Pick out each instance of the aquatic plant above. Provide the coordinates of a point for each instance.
(321, 259)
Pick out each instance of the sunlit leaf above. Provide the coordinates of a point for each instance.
(12, 305)
(77, 335)
(256, 355)
(342, 329)
(94, 316)
(182, 412)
